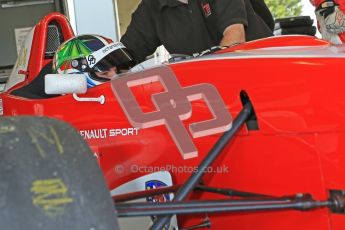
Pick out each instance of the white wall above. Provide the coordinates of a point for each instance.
(126, 8)
(93, 17)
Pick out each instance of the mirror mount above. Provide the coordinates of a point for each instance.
(69, 84)
(100, 99)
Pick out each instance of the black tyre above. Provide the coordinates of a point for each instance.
(49, 178)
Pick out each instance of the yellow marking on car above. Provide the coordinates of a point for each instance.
(51, 196)
(6, 129)
(54, 139)
(57, 140)
(42, 135)
(34, 140)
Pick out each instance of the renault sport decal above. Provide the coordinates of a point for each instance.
(105, 133)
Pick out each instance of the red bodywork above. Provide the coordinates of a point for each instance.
(298, 148)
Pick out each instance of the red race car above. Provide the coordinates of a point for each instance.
(248, 137)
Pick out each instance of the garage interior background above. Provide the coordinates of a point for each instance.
(107, 17)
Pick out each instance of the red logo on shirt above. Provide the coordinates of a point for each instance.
(207, 9)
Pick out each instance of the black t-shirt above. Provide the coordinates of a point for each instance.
(181, 27)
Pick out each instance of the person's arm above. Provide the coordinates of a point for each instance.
(141, 37)
(233, 34)
(231, 20)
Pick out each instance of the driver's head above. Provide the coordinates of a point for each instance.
(97, 57)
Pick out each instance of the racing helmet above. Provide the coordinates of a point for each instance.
(89, 54)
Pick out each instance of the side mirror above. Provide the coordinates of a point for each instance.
(65, 83)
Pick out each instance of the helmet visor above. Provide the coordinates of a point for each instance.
(119, 58)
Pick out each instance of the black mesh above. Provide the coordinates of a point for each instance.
(54, 39)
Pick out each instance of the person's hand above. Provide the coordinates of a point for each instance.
(333, 19)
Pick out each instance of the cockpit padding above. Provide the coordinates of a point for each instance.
(35, 89)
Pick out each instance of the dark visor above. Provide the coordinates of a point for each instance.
(119, 58)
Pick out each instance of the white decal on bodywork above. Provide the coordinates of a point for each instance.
(139, 184)
(105, 133)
